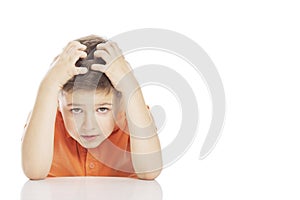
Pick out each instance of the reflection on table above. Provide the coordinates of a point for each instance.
(91, 188)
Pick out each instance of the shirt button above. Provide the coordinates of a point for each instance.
(91, 165)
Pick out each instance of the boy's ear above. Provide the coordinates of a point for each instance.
(58, 101)
(58, 105)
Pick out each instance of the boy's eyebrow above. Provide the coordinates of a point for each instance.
(74, 104)
(99, 104)
(102, 104)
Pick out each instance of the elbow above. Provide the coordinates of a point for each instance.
(35, 168)
(149, 175)
(35, 172)
(35, 175)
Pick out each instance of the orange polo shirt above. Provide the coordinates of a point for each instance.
(71, 159)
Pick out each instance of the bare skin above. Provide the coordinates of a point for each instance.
(37, 145)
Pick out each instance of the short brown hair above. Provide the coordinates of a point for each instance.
(92, 79)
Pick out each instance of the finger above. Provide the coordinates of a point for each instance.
(99, 67)
(82, 54)
(106, 47)
(73, 46)
(77, 45)
(116, 48)
(102, 54)
(81, 47)
(77, 55)
(80, 70)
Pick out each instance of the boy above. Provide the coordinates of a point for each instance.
(90, 118)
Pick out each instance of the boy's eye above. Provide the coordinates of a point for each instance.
(76, 110)
(102, 110)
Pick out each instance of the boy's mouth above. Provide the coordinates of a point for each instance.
(89, 137)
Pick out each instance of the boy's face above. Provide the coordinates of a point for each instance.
(88, 115)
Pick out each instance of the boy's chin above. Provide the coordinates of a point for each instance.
(92, 145)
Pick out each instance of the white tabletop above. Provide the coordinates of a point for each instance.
(91, 188)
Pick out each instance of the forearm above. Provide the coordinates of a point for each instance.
(145, 145)
(37, 144)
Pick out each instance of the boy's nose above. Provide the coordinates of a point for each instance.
(89, 123)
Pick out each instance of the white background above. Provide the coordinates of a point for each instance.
(255, 46)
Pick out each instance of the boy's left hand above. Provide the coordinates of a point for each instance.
(116, 66)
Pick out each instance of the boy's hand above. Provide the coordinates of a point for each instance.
(116, 66)
(63, 67)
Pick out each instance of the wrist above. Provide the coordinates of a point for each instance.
(49, 85)
(128, 85)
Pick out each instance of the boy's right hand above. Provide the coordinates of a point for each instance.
(63, 67)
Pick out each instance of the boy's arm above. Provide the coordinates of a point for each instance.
(37, 144)
(38, 139)
(145, 145)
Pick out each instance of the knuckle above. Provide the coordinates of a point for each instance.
(73, 43)
(114, 43)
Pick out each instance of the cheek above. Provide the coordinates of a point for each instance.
(71, 124)
(106, 123)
